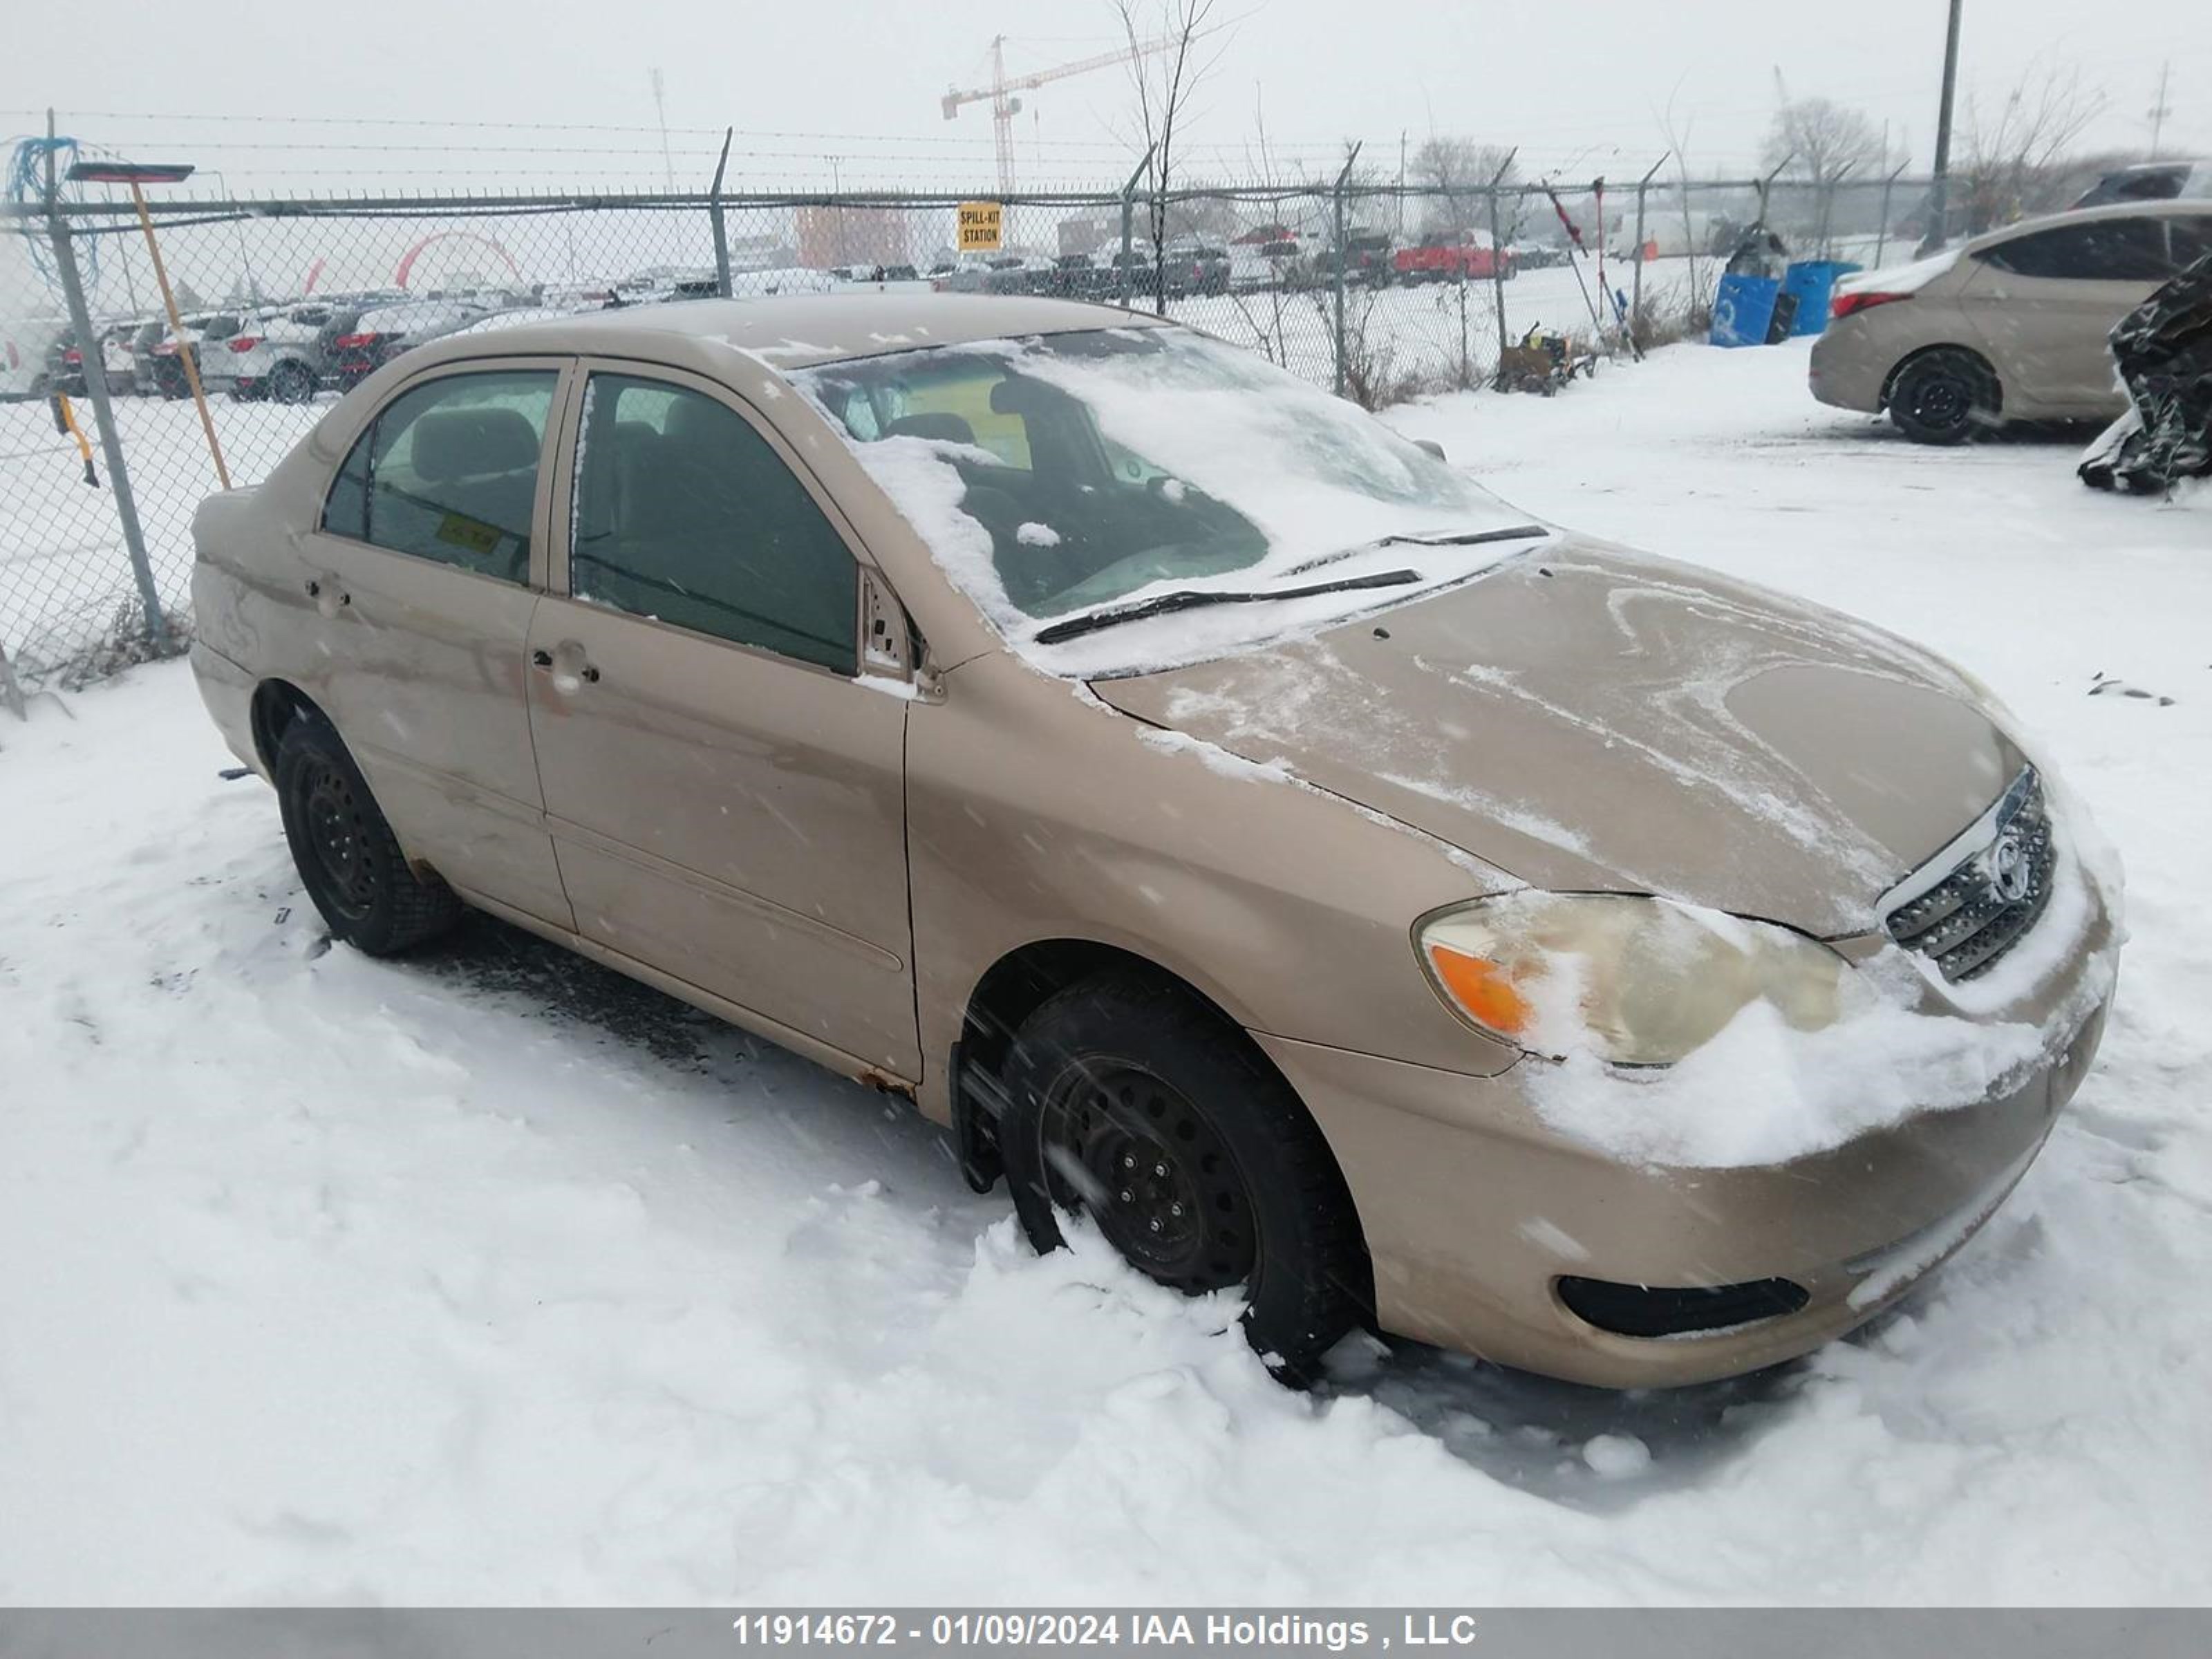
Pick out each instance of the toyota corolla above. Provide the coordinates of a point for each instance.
(1253, 840)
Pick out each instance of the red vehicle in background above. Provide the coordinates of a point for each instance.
(1453, 256)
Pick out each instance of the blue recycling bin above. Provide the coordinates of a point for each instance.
(1743, 309)
(1813, 283)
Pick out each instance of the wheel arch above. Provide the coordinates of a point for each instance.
(1020, 982)
(277, 703)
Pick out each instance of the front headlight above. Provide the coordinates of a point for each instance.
(1637, 981)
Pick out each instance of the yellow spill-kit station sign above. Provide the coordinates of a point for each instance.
(980, 226)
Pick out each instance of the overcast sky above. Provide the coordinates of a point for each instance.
(284, 97)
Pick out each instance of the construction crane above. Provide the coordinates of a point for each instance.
(1004, 106)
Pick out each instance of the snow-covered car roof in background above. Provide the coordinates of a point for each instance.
(798, 330)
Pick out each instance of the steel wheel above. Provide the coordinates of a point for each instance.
(337, 836)
(1944, 396)
(1132, 1152)
(291, 384)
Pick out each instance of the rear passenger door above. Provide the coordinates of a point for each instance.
(421, 577)
(2045, 301)
(725, 786)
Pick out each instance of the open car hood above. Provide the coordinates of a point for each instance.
(1590, 720)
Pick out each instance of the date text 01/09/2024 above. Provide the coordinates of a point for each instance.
(1015, 1629)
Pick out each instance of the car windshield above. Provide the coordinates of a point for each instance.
(1061, 474)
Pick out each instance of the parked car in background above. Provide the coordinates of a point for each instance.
(1133, 273)
(203, 332)
(1065, 725)
(144, 341)
(277, 353)
(1073, 275)
(381, 334)
(67, 372)
(2151, 181)
(1366, 261)
(2009, 326)
(1278, 264)
(1195, 269)
(27, 346)
(1452, 255)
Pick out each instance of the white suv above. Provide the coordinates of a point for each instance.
(276, 354)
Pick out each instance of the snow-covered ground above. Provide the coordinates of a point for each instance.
(488, 1276)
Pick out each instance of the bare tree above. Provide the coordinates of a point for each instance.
(1166, 65)
(1828, 139)
(1459, 171)
(2016, 153)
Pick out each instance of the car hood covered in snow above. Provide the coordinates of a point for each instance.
(1590, 720)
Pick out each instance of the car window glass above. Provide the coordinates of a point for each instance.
(684, 514)
(449, 472)
(2104, 250)
(952, 408)
(2192, 238)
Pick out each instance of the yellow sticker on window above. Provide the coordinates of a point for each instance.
(472, 534)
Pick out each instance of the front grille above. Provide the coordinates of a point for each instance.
(1652, 1310)
(1988, 890)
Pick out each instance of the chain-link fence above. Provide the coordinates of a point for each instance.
(1375, 291)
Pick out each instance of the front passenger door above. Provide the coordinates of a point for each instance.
(726, 792)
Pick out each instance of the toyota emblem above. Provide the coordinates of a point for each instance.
(2010, 873)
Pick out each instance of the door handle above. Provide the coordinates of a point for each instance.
(566, 662)
(328, 599)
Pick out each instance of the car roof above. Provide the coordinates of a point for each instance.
(2180, 209)
(800, 329)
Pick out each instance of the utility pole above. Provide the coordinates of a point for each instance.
(660, 109)
(1939, 193)
(2161, 109)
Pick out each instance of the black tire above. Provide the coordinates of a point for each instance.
(347, 858)
(1124, 1079)
(291, 383)
(1947, 396)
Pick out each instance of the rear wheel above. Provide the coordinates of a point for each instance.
(347, 858)
(291, 383)
(1131, 1103)
(1944, 396)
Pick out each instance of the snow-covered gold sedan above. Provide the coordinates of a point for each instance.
(1254, 840)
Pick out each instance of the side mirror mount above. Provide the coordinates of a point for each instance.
(1432, 446)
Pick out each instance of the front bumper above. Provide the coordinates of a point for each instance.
(1474, 1210)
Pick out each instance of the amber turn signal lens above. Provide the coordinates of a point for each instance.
(1484, 989)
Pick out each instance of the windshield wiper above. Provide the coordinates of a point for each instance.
(1519, 533)
(1191, 598)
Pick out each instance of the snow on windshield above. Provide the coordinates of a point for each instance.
(1074, 474)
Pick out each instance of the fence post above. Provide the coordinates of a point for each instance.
(103, 415)
(714, 218)
(1128, 213)
(1498, 256)
(1881, 235)
(1338, 214)
(1828, 208)
(1636, 298)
